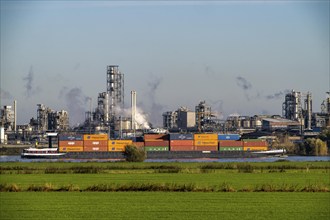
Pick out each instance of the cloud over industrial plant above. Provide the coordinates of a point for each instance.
(76, 103)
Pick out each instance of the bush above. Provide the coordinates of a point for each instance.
(133, 154)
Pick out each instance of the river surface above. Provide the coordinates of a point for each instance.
(259, 159)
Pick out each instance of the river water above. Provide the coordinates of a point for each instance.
(259, 159)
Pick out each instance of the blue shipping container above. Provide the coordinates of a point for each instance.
(232, 137)
(177, 136)
(74, 137)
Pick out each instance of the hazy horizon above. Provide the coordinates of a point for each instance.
(240, 57)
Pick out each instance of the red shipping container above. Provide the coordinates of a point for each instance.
(206, 148)
(156, 143)
(179, 143)
(182, 148)
(230, 143)
(96, 145)
(155, 137)
(255, 144)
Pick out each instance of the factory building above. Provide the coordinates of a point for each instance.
(48, 119)
(7, 118)
(279, 124)
(186, 119)
(170, 119)
(293, 109)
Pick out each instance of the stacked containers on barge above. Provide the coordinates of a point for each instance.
(181, 142)
(95, 142)
(118, 145)
(70, 143)
(156, 142)
(206, 142)
(254, 145)
(230, 145)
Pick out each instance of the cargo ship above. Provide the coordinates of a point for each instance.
(164, 146)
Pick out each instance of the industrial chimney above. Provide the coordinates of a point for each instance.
(133, 105)
(15, 115)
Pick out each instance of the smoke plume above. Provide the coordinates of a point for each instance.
(217, 108)
(243, 83)
(277, 95)
(29, 84)
(76, 103)
(156, 108)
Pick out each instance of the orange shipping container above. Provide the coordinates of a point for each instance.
(118, 145)
(198, 137)
(70, 143)
(255, 148)
(206, 143)
(174, 143)
(99, 137)
(71, 149)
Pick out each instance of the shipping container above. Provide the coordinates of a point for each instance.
(206, 148)
(157, 143)
(182, 148)
(155, 137)
(260, 143)
(230, 143)
(99, 137)
(177, 136)
(71, 148)
(233, 137)
(206, 143)
(95, 143)
(118, 145)
(231, 149)
(255, 148)
(156, 148)
(198, 137)
(181, 143)
(138, 144)
(70, 143)
(70, 137)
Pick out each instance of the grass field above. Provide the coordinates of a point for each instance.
(242, 183)
(160, 205)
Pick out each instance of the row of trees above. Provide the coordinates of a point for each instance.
(312, 146)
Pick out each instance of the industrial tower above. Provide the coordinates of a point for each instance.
(115, 94)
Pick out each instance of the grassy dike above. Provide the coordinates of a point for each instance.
(279, 190)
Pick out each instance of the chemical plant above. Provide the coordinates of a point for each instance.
(111, 117)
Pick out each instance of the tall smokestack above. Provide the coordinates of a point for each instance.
(133, 105)
(15, 115)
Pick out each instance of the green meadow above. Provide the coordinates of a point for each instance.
(61, 190)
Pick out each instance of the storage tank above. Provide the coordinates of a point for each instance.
(2, 135)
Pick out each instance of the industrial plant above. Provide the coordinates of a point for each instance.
(110, 117)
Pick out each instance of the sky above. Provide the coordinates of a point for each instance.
(241, 57)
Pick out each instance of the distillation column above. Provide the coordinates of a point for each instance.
(133, 105)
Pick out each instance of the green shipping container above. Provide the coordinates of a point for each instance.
(156, 148)
(231, 148)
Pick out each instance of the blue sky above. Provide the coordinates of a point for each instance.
(241, 56)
